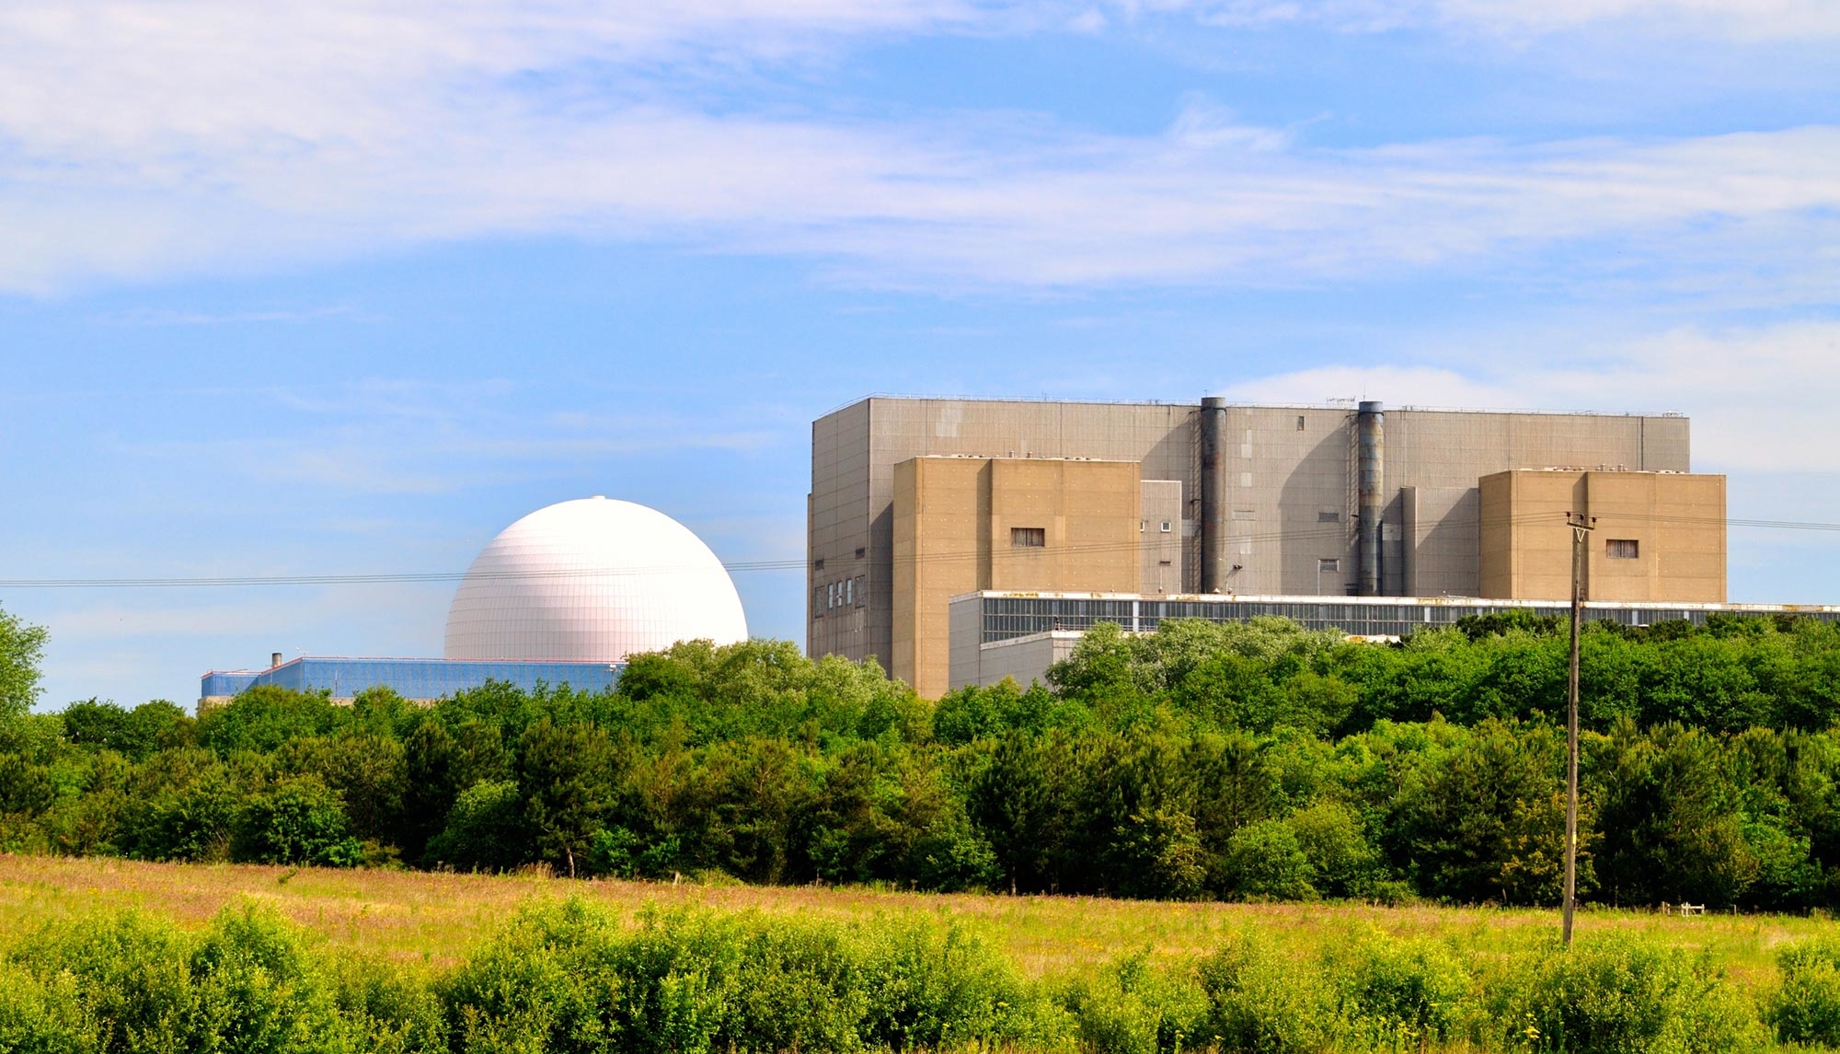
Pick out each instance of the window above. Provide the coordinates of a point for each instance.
(1328, 564)
(849, 592)
(830, 596)
(1621, 549)
(1141, 524)
(1028, 537)
(860, 552)
(1165, 527)
(1328, 517)
(819, 566)
(1299, 422)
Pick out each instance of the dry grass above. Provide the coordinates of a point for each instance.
(438, 918)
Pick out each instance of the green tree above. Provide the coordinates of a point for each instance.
(565, 772)
(22, 645)
(297, 821)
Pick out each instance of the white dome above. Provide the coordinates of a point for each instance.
(593, 580)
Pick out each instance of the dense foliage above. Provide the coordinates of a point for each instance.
(1241, 761)
(574, 979)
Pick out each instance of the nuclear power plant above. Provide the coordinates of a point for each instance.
(940, 529)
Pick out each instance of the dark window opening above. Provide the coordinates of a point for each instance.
(1622, 549)
(1028, 537)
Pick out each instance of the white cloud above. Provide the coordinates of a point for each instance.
(140, 142)
(385, 436)
(1761, 400)
(1733, 19)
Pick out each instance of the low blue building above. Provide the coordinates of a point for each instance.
(419, 680)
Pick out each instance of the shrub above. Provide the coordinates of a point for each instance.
(567, 979)
(485, 829)
(1618, 995)
(1260, 1000)
(1265, 860)
(387, 1010)
(1805, 1005)
(1340, 858)
(540, 985)
(932, 986)
(1397, 988)
(1131, 1009)
(297, 821)
(246, 984)
(41, 1017)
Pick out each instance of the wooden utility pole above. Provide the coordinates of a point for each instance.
(1581, 526)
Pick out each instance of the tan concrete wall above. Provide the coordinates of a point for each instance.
(1676, 521)
(954, 520)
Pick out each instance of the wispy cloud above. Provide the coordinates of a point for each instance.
(160, 317)
(393, 436)
(1735, 19)
(206, 136)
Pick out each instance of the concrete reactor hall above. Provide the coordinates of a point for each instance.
(959, 541)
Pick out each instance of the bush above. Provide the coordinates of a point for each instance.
(1619, 995)
(932, 986)
(485, 829)
(41, 1017)
(1130, 1009)
(1398, 989)
(1805, 1005)
(1341, 860)
(245, 985)
(297, 821)
(1265, 861)
(1260, 1000)
(387, 1010)
(541, 985)
(567, 979)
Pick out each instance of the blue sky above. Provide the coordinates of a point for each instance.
(350, 288)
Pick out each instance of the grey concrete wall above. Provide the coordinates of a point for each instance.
(965, 634)
(837, 527)
(1162, 550)
(1024, 660)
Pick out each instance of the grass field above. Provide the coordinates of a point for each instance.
(439, 918)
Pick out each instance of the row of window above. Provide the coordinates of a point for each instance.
(1005, 617)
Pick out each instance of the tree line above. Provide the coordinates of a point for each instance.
(1254, 760)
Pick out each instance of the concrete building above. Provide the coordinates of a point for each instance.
(1019, 634)
(1658, 536)
(1303, 500)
